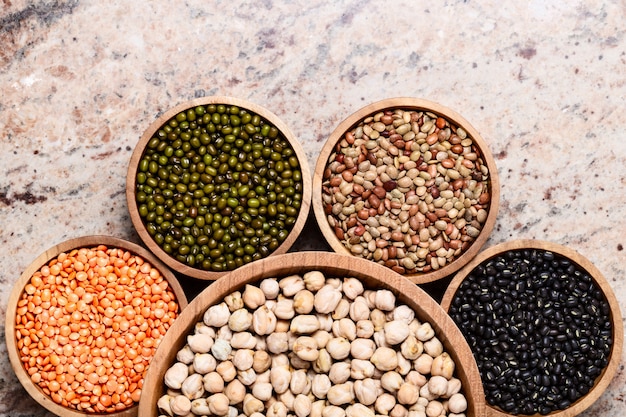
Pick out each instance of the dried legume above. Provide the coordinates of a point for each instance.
(407, 189)
(353, 352)
(87, 325)
(218, 186)
(539, 328)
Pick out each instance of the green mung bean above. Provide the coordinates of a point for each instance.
(218, 186)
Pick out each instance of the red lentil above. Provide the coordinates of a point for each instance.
(88, 324)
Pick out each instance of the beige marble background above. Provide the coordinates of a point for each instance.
(543, 81)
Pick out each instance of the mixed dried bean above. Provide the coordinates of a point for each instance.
(87, 325)
(218, 186)
(311, 345)
(539, 327)
(407, 189)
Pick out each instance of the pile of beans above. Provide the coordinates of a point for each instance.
(311, 345)
(407, 189)
(88, 324)
(539, 328)
(218, 187)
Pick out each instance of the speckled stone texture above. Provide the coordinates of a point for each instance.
(543, 82)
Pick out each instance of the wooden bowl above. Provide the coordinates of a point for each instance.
(583, 265)
(18, 290)
(372, 275)
(195, 270)
(361, 213)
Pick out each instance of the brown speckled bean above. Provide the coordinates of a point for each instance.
(411, 178)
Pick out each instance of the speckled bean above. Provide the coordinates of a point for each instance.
(422, 181)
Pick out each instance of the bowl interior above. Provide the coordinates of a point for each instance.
(608, 372)
(321, 207)
(208, 273)
(372, 275)
(65, 247)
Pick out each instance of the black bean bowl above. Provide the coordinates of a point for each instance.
(543, 324)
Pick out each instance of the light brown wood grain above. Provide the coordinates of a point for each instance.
(408, 103)
(609, 372)
(87, 241)
(156, 125)
(372, 275)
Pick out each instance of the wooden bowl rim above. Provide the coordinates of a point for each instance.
(330, 263)
(66, 246)
(421, 105)
(148, 134)
(605, 378)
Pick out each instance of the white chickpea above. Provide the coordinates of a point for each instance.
(180, 405)
(341, 394)
(302, 405)
(243, 340)
(234, 301)
(253, 297)
(291, 285)
(176, 374)
(270, 288)
(221, 349)
(185, 355)
(213, 382)
(352, 287)
(457, 403)
(200, 343)
(192, 386)
(314, 280)
(340, 372)
(396, 331)
(385, 359)
(217, 315)
(310, 346)
(342, 310)
(359, 309)
(303, 302)
(327, 299)
(366, 391)
(263, 321)
(240, 320)
(361, 369)
(218, 404)
(304, 324)
(443, 365)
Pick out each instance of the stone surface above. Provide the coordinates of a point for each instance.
(543, 82)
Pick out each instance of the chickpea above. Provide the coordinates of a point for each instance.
(319, 347)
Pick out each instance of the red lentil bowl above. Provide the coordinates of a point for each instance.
(83, 322)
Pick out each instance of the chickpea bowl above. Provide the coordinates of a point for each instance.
(83, 322)
(216, 183)
(544, 326)
(408, 184)
(313, 333)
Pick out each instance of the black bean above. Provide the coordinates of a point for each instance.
(539, 328)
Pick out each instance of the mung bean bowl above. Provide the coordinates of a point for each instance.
(544, 326)
(408, 184)
(83, 322)
(216, 183)
(313, 333)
